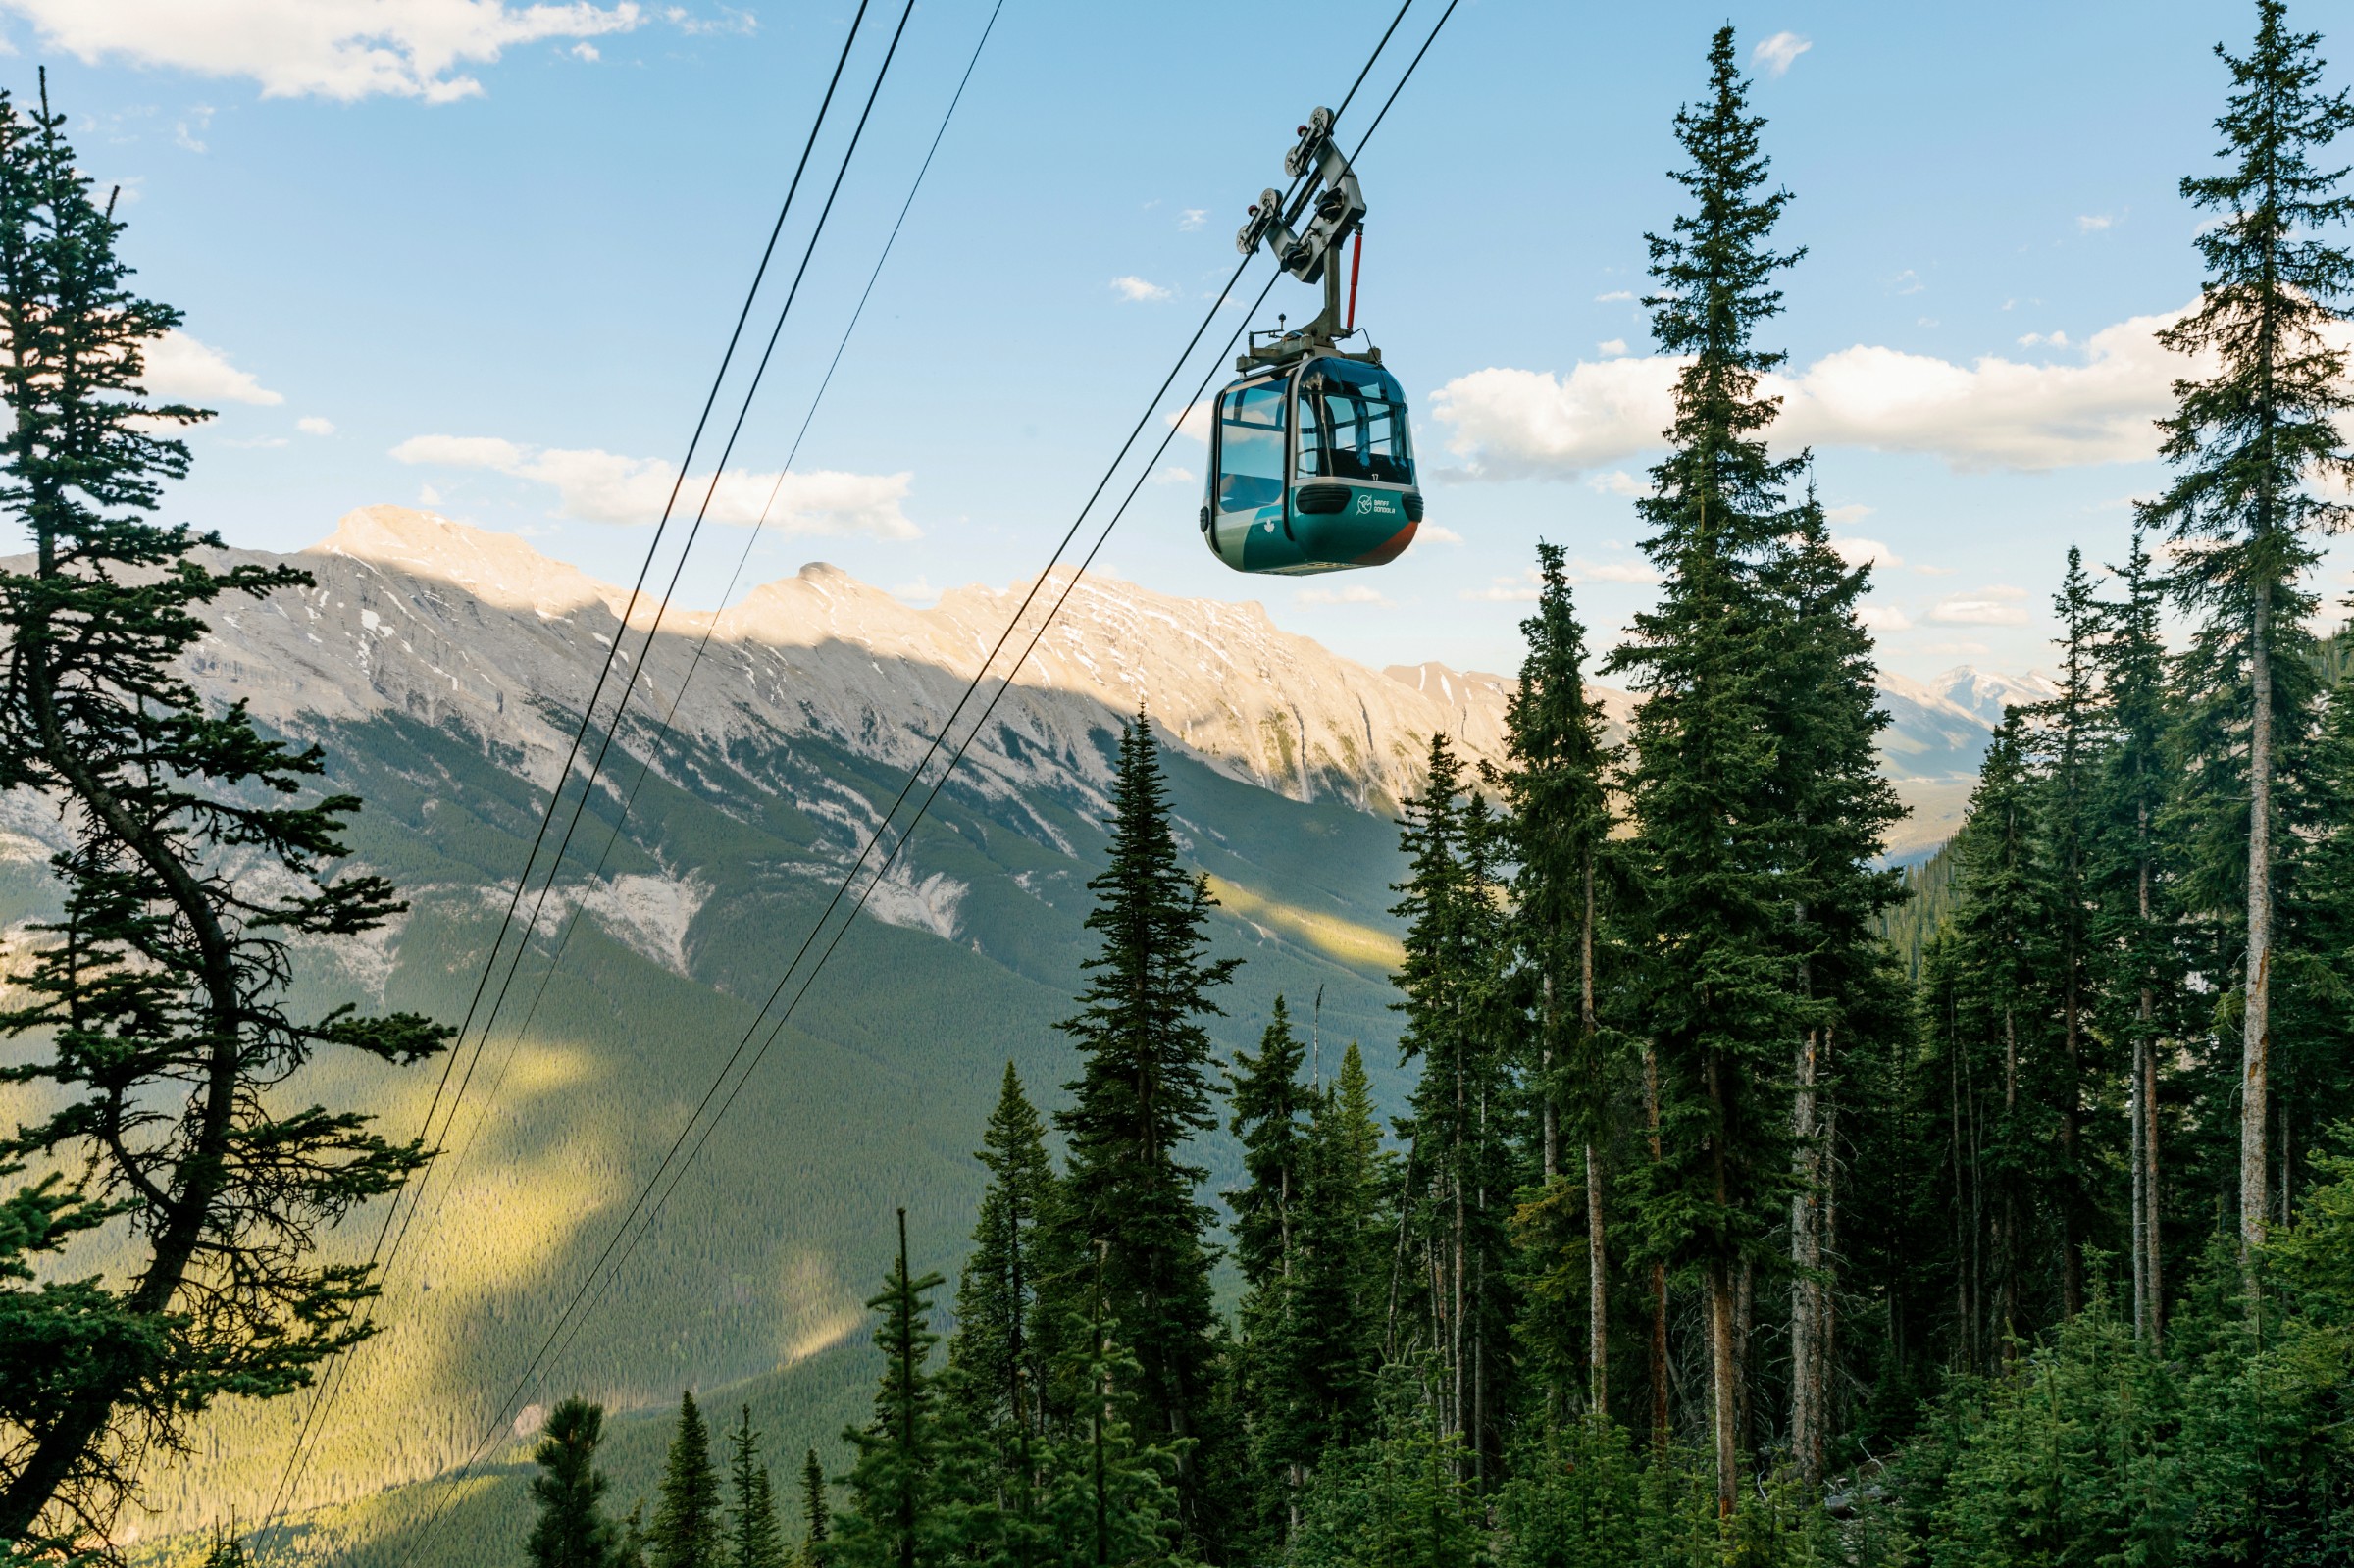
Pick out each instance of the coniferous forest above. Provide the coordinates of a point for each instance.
(1754, 1201)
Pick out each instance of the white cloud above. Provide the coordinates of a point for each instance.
(2044, 340)
(1618, 482)
(427, 495)
(1354, 593)
(1172, 474)
(1437, 534)
(1884, 618)
(595, 486)
(1907, 282)
(1131, 287)
(1615, 295)
(1994, 413)
(584, 50)
(1935, 571)
(1993, 606)
(1611, 347)
(1846, 513)
(1953, 650)
(1857, 552)
(1778, 53)
(1192, 420)
(341, 49)
(1192, 218)
(189, 131)
(1520, 589)
(313, 425)
(180, 367)
(1583, 570)
(2093, 222)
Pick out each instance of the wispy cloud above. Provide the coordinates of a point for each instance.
(1858, 552)
(341, 49)
(1175, 474)
(313, 425)
(1614, 296)
(1884, 618)
(1437, 534)
(1991, 606)
(1192, 218)
(1775, 54)
(1618, 482)
(1842, 515)
(2094, 223)
(2044, 340)
(1611, 347)
(2093, 405)
(1133, 288)
(181, 368)
(596, 486)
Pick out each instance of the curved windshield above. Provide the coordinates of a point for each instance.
(1352, 423)
(1251, 447)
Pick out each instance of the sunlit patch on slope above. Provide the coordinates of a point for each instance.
(1344, 942)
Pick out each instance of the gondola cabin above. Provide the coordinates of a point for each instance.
(1312, 468)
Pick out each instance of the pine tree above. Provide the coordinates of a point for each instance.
(1267, 1100)
(1461, 1116)
(1706, 792)
(1107, 1497)
(1556, 786)
(572, 1530)
(1835, 808)
(2245, 442)
(162, 1058)
(899, 1515)
(757, 1540)
(688, 1531)
(2139, 973)
(1144, 1091)
(816, 1514)
(1343, 1255)
(994, 1368)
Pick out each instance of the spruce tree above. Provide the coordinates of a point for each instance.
(689, 1529)
(1143, 1094)
(1461, 1116)
(572, 1530)
(998, 1374)
(1556, 786)
(816, 1513)
(899, 1515)
(163, 1060)
(2246, 443)
(1268, 1099)
(1707, 794)
(1343, 1253)
(2139, 972)
(1106, 1496)
(755, 1539)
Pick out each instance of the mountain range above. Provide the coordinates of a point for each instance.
(441, 668)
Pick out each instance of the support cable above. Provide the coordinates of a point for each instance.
(328, 1391)
(568, 1318)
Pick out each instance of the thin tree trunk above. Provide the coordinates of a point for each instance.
(2140, 1185)
(1545, 1088)
(1806, 1258)
(2255, 1073)
(1661, 1415)
(2155, 1231)
(1724, 1352)
(2072, 1257)
(2009, 1256)
(1597, 1291)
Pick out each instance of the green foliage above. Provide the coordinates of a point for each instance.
(903, 1510)
(757, 1539)
(689, 1530)
(571, 1531)
(1128, 1210)
(169, 1066)
(817, 1515)
(1401, 1500)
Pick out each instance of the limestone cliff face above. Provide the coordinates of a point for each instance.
(443, 621)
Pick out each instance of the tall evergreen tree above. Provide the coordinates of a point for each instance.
(572, 1530)
(164, 1061)
(1143, 1093)
(1704, 791)
(1556, 786)
(690, 1525)
(2139, 970)
(899, 1516)
(817, 1513)
(2246, 442)
(1461, 1116)
(1833, 809)
(998, 1373)
(1269, 1100)
(755, 1539)
(1108, 1496)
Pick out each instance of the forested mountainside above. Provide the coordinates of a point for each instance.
(435, 663)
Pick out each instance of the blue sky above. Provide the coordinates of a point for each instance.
(482, 257)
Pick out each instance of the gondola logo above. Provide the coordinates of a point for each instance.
(1372, 503)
